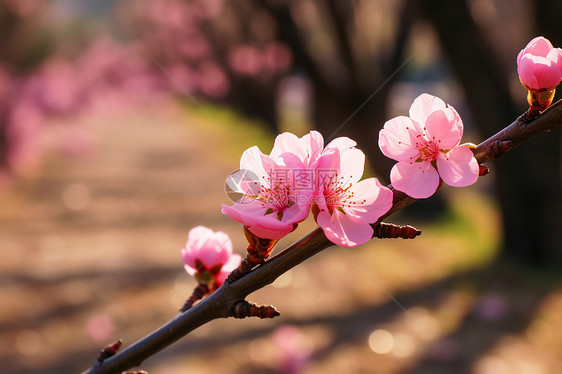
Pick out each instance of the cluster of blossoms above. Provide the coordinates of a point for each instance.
(301, 175)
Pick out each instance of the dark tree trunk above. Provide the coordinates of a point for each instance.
(528, 181)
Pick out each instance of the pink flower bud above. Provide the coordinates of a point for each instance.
(208, 255)
(539, 65)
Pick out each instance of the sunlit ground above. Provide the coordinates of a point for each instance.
(90, 253)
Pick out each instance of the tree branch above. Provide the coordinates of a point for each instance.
(222, 303)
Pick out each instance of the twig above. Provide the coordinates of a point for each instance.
(221, 303)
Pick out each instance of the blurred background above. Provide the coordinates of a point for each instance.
(120, 120)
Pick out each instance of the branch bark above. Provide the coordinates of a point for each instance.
(222, 302)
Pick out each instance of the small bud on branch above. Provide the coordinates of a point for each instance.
(483, 170)
(259, 250)
(391, 231)
(108, 351)
(243, 309)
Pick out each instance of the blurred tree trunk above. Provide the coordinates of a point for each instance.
(549, 148)
(528, 181)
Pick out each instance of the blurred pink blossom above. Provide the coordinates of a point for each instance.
(277, 57)
(24, 134)
(426, 146)
(292, 349)
(194, 47)
(245, 60)
(213, 81)
(539, 65)
(100, 327)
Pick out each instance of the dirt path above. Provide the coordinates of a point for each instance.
(86, 230)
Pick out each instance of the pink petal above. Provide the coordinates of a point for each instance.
(538, 72)
(189, 261)
(270, 233)
(216, 249)
(341, 230)
(228, 267)
(458, 167)
(371, 200)
(252, 160)
(352, 164)
(197, 236)
(442, 128)
(555, 55)
(253, 215)
(307, 148)
(418, 179)
(299, 211)
(286, 142)
(423, 106)
(327, 170)
(539, 46)
(314, 143)
(397, 139)
(342, 143)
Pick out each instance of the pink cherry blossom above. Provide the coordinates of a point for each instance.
(208, 255)
(276, 200)
(346, 205)
(426, 146)
(539, 65)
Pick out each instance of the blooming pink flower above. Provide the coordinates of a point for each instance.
(274, 201)
(539, 65)
(346, 205)
(426, 146)
(208, 255)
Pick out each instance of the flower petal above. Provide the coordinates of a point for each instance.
(252, 214)
(539, 46)
(424, 105)
(555, 55)
(314, 144)
(341, 230)
(418, 179)
(252, 160)
(228, 267)
(371, 200)
(397, 139)
(342, 143)
(352, 164)
(442, 127)
(286, 142)
(458, 168)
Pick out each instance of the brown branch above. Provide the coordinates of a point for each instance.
(222, 302)
(198, 293)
